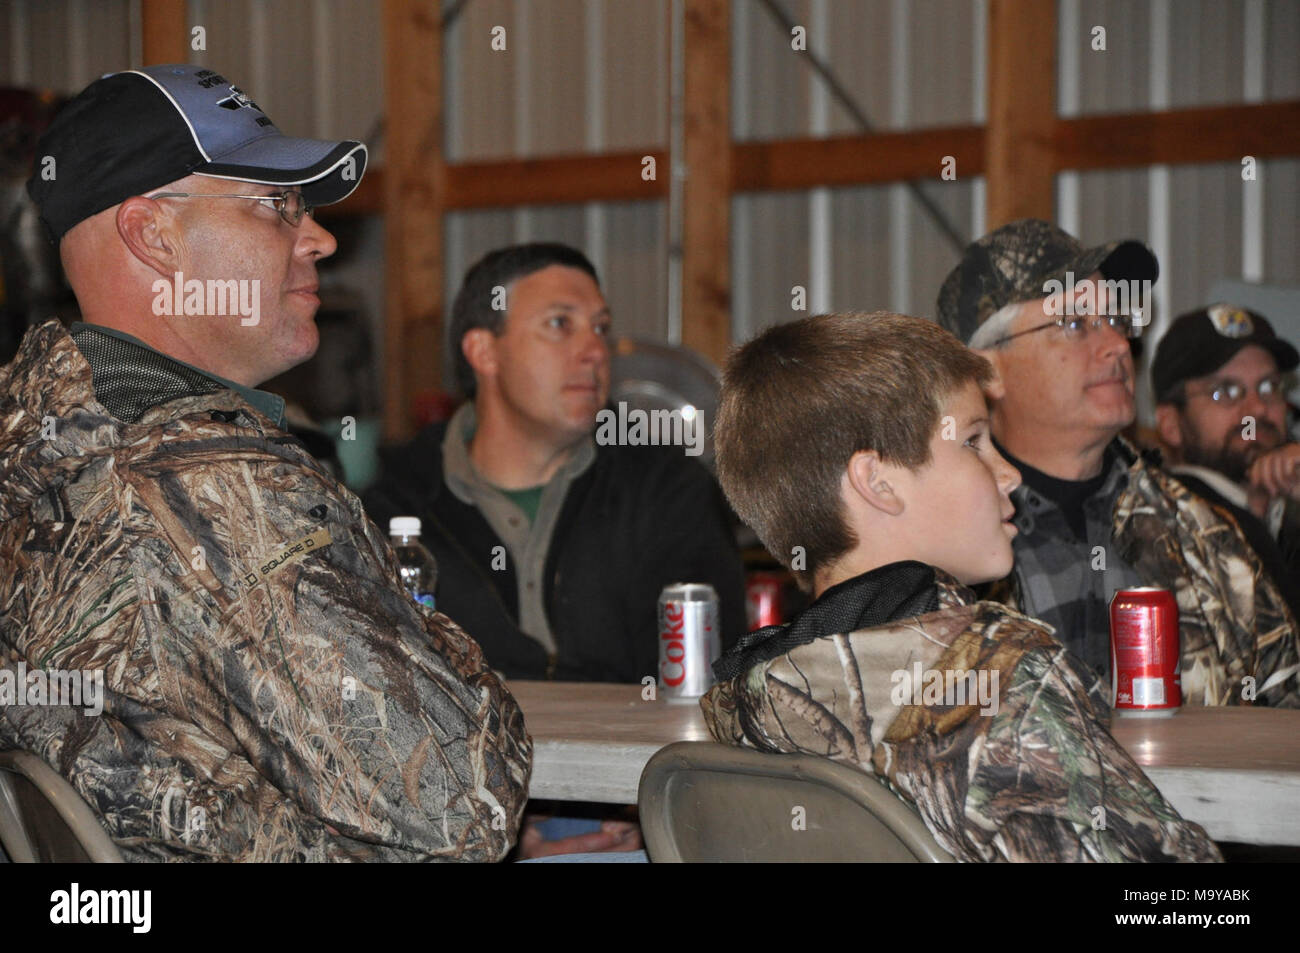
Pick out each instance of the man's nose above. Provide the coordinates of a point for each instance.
(595, 347)
(1253, 405)
(1109, 340)
(314, 240)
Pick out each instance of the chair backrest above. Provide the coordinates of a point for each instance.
(702, 802)
(44, 820)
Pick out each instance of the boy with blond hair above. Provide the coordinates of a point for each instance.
(857, 446)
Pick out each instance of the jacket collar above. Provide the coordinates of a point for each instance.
(896, 591)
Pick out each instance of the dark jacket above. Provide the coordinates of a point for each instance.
(637, 519)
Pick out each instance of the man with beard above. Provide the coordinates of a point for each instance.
(1094, 515)
(1221, 413)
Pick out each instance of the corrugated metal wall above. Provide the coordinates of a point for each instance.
(591, 75)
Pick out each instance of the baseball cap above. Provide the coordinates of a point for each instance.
(1013, 263)
(131, 132)
(1202, 341)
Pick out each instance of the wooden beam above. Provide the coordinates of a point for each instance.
(164, 32)
(611, 176)
(1021, 110)
(792, 164)
(1117, 140)
(706, 201)
(1206, 134)
(413, 192)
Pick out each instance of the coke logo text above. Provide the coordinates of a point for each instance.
(672, 670)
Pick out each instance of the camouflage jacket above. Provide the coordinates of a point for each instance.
(1012, 762)
(1233, 621)
(270, 692)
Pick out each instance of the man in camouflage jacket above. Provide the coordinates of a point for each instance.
(1093, 515)
(1024, 770)
(270, 692)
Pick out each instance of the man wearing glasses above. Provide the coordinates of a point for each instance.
(267, 689)
(1056, 319)
(1222, 416)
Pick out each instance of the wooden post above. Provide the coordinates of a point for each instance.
(414, 192)
(165, 32)
(1019, 159)
(706, 215)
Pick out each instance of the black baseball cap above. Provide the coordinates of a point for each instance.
(1202, 341)
(1014, 262)
(131, 132)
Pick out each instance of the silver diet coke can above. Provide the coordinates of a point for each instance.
(689, 640)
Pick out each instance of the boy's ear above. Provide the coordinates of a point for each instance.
(868, 479)
(1171, 435)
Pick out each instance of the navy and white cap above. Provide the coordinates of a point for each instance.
(132, 132)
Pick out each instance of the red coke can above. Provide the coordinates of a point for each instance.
(763, 599)
(689, 640)
(1145, 680)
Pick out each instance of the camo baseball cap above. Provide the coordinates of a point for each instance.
(1013, 263)
(132, 132)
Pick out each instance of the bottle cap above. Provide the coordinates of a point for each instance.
(404, 526)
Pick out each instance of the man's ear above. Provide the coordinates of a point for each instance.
(995, 389)
(1171, 434)
(480, 350)
(149, 235)
(868, 479)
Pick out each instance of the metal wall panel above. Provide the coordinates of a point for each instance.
(1281, 180)
(1113, 80)
(481, 82)
(770, 256)
(633, 47)
(592, 74)
(1282, 40)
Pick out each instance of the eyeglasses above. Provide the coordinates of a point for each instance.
(291, 205)
(1076, 327)
(1229, 392)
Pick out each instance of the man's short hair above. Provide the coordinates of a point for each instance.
(801, 398)
(501, 268)
(995, 328)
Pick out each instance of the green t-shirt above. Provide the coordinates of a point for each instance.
(528, 500)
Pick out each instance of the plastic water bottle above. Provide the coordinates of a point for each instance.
(419, 570)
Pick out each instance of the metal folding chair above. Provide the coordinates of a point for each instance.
(702, 802)
(44, 820)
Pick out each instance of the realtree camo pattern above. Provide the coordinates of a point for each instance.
(267, 680)
(1040, 779)
(1233, 622)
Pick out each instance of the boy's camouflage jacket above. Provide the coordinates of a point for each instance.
(270, 691)
(1032, 774)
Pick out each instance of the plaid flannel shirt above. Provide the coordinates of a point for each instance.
(1068, 582)
(1238, 638)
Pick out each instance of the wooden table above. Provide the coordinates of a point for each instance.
(1235, 771)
